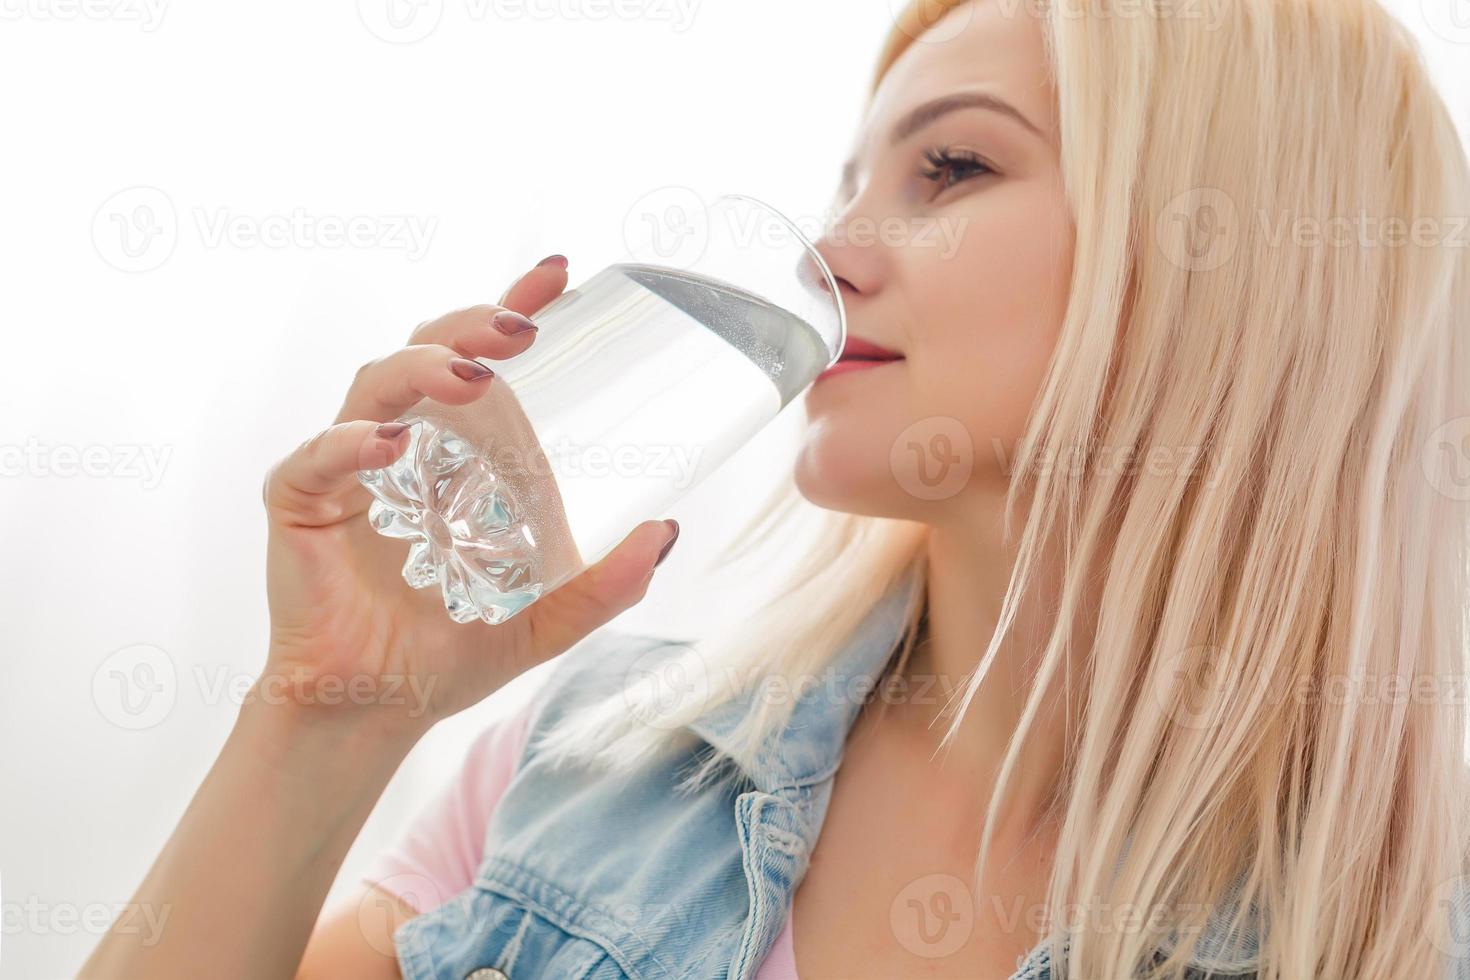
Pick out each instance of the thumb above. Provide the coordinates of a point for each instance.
(616, 583)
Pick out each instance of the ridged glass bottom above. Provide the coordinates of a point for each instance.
(465, 530)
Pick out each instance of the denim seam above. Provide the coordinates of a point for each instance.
(517, 883)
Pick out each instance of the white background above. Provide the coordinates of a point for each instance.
(503, 132)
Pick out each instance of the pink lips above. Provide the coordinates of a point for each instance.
(860, 355)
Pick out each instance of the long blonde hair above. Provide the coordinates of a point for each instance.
(1241, 284)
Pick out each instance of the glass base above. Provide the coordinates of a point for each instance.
(465, 529)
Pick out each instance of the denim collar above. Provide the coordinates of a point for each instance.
(808, 750)
(810, 747)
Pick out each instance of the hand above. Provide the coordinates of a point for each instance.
(340, 610)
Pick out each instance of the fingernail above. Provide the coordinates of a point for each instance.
(511, 323)
(391, 430)
(560, 260)
(468, 370)
(665, 553)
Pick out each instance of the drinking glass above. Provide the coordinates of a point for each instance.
(640, 383)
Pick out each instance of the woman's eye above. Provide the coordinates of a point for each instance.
(947, 167)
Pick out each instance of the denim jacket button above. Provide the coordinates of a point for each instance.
(487, 973)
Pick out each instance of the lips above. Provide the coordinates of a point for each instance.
(856, 349)
(860, 355)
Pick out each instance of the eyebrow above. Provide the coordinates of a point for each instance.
(925, 114)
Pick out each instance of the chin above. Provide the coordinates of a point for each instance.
(844, 482)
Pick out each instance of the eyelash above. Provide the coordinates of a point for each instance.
(942, 160)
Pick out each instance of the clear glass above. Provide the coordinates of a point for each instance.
(640, 383)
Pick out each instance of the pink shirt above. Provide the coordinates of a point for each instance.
(438, 856)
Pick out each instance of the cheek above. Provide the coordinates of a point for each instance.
(987, 317)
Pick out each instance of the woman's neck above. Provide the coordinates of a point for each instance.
(969, 570)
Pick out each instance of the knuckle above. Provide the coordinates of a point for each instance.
(312, 449)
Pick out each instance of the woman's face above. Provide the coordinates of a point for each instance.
(952, 246)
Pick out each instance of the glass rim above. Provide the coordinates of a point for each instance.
(811, 250)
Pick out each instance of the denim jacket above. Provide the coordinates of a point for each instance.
(587, 876)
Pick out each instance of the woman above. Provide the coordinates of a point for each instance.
(1203, 331)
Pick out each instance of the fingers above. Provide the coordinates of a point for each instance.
(542, 284)
(386, 388)
(478, 331)
(502, 331)
(311, 487)
(564, 616)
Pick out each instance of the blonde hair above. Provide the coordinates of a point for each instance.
(1325, 382)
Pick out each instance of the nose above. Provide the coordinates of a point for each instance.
(857, 261)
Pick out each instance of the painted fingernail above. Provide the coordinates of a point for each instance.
(511, 323)
(468, 370)
(391, 430)
(665, 553)
(560, 260)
